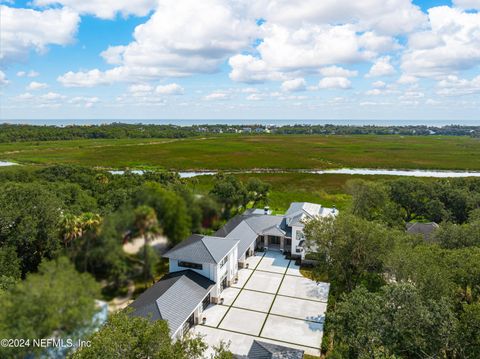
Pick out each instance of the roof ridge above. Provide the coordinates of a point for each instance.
(208, 250)
(248, 224)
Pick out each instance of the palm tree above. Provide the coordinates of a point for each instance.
(146, 225)
(90, 224)
(70, 227)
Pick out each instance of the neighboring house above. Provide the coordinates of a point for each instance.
(201, 267)
(424, 229)
(262, 350)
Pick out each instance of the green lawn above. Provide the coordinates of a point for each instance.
(234, 152)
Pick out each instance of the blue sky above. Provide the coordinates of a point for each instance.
(242, 59)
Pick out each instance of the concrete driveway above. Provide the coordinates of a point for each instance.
(273, 302)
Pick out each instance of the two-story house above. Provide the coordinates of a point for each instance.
(201, 267)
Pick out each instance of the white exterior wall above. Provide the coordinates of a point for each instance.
(230, 269)
(295, 241)
(207, 271)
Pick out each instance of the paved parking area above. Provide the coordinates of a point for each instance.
(271, 301)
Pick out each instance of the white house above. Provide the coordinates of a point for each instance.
(201, 267)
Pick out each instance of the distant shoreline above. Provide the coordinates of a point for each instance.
(246, 122)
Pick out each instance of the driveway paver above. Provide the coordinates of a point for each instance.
(299, 308)
(214, 314)
(293, 330)
(304, 288)
(243, 321)
(243, 275)
(229, 294)
(254, 301)
(273, 262)
(264, 282)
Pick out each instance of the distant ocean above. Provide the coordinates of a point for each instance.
(437, 123)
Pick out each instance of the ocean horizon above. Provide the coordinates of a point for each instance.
(241, 122)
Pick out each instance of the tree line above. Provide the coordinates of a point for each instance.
(21, 133)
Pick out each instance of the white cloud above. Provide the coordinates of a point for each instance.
(335, 82)
(374, 92)
(381, 67)
(53, 96)
(140, 88)
(309, 47)
(336, 71)
(255, 97)
(30, 73)
(407, 80)
(249, 69)
(298, 84)
(3, 78)
(25, 96)
(34, 85)
(214, 96)
(181, 38)
(91, 78)
(392, 17)
(104, 9)
(379, 84)
(453, 85)
(170, 89)
(467, 4)
(84, 101)
(26, 29)
(450, 44)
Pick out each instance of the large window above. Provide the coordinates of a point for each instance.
(190, 265)
(224, 261)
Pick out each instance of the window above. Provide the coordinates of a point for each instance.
(299, 235)
(223, 262)
(190, 265)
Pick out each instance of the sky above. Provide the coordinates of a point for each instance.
(239, 59)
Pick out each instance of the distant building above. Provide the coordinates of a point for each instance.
(424, 229)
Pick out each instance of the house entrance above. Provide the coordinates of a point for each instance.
(188, 324)
(206, 302)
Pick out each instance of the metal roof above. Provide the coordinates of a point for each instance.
(263, 350)
(202, 249)
(173, 298)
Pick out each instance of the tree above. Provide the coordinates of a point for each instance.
(468, 341)
(398, 320)
(351, 249)
(171, 210)
(127, 336)
(230, 192)
(29, 222)
(90, 224)
(257, 191)
(70, 228)
(146, 224)
(9, 267)
(412, 195)
(57, 300)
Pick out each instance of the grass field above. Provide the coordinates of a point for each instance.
(230, 152)
(327, 189)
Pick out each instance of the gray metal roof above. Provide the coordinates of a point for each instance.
(261, 223)
(245, 234)
(263, 350)
(425, 229)
(202, 249)
(173, 298)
